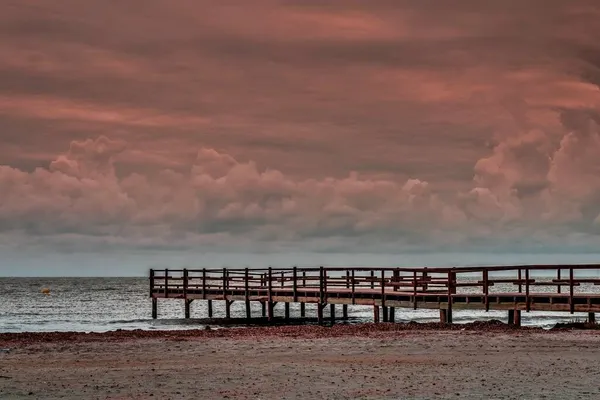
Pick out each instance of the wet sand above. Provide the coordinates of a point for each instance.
(385, 361)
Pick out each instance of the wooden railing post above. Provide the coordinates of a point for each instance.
(383, 288)
(372, 279)
(185, 283)
(270, 287)
(571, 291)
(282, 278)
(247, 293)
(321, 286)
(324, 285)
(204, 283)
(166, 282)
(559, 286)
(304, 279)
(415, 289)
(295, 283)
(520, 278)
(224, 283)
(527, 300)
(486, 290)
(151, 282)
(353, 284)
(451, 291)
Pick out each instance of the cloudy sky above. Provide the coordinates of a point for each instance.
(144, 133)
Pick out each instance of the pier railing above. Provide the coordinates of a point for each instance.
(527, 281)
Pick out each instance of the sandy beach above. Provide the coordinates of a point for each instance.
(369, 361)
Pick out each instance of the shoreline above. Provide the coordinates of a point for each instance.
(282, 331)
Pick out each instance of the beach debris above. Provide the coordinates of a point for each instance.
(4, 350)
(45, 291)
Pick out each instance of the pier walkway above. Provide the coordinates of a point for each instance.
(571, 288)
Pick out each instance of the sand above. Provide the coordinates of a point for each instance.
(365, 362)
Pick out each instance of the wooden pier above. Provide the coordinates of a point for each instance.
(570, 288)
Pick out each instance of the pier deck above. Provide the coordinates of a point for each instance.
(570, 288)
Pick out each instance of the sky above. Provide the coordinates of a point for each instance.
(138, 134)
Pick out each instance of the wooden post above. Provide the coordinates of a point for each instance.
(486, 290)
(376, 314)
(353, 291)
(332, 313)
(282, 278)
(558, 287)
(324, 286)
(287, 311)
(385, 313)
(520, 284)
(443, 316)
(345, 312)
(527, 300)
(188, 302)
(517, 318)
(228, 309)
(592, 318)
(270, 295)
(210, 309)
(151, 282)
(304, 279)
(263, 306)
(415, 289)
(247, 294)
(511, 317)
(372, 279)
(302, 310)
(204, 283)
(392, 314)
(571, 291)
(295, 284)
(185, 283)
(224, 283)
(396, 279)
(154, 308)
(451, 291)
(383, 288)
(320, 313)
(321, 286)
(166, 283)
(270, 310)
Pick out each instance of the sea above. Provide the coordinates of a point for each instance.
(107, 304)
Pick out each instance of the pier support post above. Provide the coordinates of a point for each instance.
(302, 310)
(345, 312)
(154, 308)
(332, 313)
(376, 314)
(511, 317)
(188, 302)
(210, 309)
(248, 310)
(517, 318)
(443, 315)
(392, 314)
(228, 304)
(263, 307)
(320, 313)
(446, 315)
(592, 318)
(270, 306)
(287, 311)
(385, 313)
